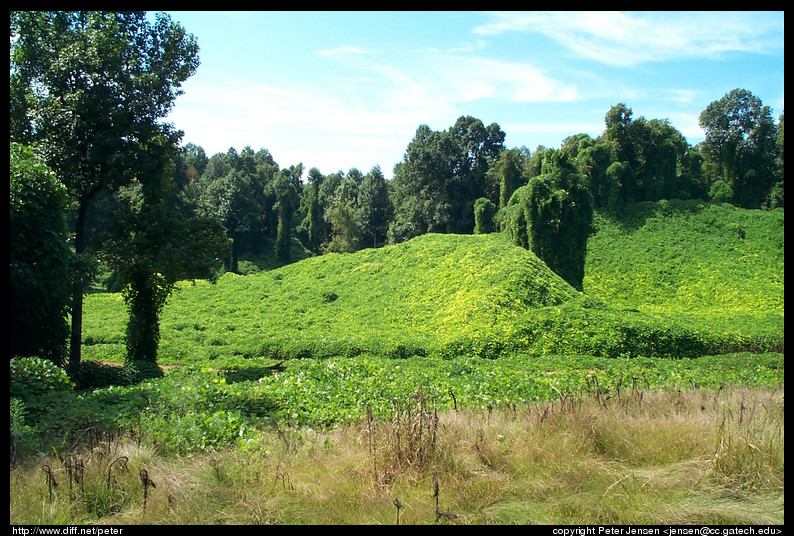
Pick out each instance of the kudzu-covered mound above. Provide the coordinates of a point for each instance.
(669, 279)
(434, 293)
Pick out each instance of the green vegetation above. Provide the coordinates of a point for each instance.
(450, 295)
(436, 294)
(607, 347)
(39, 259)
(633, 456)
(364, 335)
(714, 265)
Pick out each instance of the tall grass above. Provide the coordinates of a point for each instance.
(635, 457)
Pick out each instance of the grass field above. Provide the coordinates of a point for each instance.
(645, 457)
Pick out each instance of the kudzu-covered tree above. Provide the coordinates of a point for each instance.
(287, 188)
(552, 217)
(39, 260)
(90, 88)
(484, 213)
(152, 245)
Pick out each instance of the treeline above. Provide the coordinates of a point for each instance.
(464, 180)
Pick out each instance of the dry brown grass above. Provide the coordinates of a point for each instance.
(671, 457)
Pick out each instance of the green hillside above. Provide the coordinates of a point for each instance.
(433, 292)
(669, 279)
(701, 262)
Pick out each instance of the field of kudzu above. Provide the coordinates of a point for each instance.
(676, 294)
(679, 297)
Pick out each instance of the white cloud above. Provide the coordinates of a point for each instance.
(682, 96)
(344, 50)
(373, 111)
(300, 123)
(438, 79)
(625, 39)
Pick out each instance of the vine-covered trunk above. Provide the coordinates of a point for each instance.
(143, 327)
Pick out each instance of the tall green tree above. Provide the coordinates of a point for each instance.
(441, 176)
(507, 173)
(474, 147)
(741, 140)
(593, 158)
(40, 289)
(287, 188)
(151, 246)
(419, 187)
(375, 206)
(776, 194)
(312, 227)
(231, 199)
(557, 209)
(90, 89)
(342, 215)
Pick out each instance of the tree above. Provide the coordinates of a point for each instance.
(287, 188)
(661, 151)
(507, 173)
(89, 89)
(441, 176)
(375, 205)
(39, 259)
(613, 192)
(618, 133)
(593, 159)
(741, 141)
(342, 215)
(484, 212)
(151, 246)
(557, 210)
(231, 200)
(419, 187)
(343, 218)
(312, 228)
(776, 196)
(474, 146)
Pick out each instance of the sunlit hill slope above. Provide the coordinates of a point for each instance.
(669, 279)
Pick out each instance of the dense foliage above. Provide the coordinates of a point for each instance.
(151, 245)
(741, 145)
(438, 185)
(669, 279)
(478, 278)
(556, 208)
(89, 90)
(31, 377)
(39, 259)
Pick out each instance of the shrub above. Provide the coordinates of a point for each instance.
(484, 212)
(39, 259)
(20, 432)
(33, 376)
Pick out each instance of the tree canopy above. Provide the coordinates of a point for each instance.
(741, 142)
(89, 89)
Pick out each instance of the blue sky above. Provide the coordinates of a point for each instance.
(337, 90)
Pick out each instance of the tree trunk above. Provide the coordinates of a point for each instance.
(143, 326)
(75, 344)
